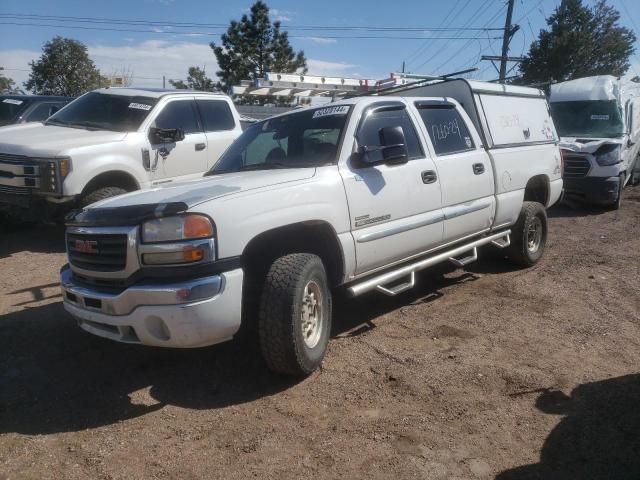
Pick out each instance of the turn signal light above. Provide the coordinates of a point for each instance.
(197, 226)
(193, 254)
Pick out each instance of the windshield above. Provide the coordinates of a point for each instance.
(10, 107)
(590, 119)
(100, 111)
(308, 138)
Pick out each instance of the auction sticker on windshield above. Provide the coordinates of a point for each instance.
(599, 117)
(12, 101)
(337, 110)
(140, 106)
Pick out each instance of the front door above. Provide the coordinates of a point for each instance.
(464, 168)
(183, 160)
(395, 209)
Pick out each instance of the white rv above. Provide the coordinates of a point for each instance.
(598, 120)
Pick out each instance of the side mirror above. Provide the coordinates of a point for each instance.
(391, 150)
(158, 136)
(630, 143)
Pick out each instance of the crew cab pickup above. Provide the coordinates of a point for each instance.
(358, 195)
(109, 142)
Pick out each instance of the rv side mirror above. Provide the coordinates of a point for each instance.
(159, 136)
(391, 150)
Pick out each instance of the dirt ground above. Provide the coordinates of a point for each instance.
(486, 373)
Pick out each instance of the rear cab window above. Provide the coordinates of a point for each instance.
(216, 115)
(447, 129)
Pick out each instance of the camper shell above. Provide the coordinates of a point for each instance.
(598, 119)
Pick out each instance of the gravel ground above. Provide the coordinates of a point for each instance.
(490, 372)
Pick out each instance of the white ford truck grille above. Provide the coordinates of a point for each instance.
(576, 167)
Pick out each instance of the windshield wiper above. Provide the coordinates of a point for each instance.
(91, 125)
(263, 166)
(55, 122)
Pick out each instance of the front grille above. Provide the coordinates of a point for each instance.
(576, 167)
(98, 252)
(15, 190)
(5, 157)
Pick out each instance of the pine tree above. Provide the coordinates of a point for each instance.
(64, 69)
(580, 42)
(254, 46)
(196, 80)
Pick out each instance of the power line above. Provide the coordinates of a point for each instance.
(362, 37)
(174, 24)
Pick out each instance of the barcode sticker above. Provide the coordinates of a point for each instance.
(337, 110)
(599, 117)
(140, 106)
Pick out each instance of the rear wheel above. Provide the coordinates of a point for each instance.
(101, 194)
(529, 235)
(294, 322)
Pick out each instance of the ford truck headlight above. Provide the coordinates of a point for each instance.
(608, 155)
(53, 171)
(177, 240)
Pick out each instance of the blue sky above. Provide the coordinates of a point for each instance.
(152, 54)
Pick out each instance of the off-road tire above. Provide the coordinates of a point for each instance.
(519, 252)
(101, 194)
(280, 317)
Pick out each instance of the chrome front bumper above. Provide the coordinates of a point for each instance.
(192, 313)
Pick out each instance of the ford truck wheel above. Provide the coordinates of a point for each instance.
(101, 194)
(294, 323)
(529, 235)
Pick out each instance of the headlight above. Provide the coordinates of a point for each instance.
(608, 155)
(53, 171)
(171, 229)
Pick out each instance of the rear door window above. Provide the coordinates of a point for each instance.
(179, 114)
(447, 130)
(216, 115)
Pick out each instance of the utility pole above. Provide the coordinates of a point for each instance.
(509, 31)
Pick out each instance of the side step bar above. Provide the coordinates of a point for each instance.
(381, 282)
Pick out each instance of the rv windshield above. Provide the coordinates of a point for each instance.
(308, 138)
(590, 119)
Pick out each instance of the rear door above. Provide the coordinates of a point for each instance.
(219, 125)
(464, 169)
(185, 159)
(395, 209)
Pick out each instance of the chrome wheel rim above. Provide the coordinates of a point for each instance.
(312, 315)
(534, 235)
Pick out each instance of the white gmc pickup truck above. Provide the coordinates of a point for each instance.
(358, 195)
(109, 142)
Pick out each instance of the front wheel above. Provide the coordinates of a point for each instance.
(100, 194)
(294, 323)
(529, 235)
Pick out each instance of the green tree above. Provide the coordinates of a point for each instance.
(64, 68)
(196, 80)
(6, 83)
(254, 46)
(579, 42)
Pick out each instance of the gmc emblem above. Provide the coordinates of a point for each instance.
(86, 246)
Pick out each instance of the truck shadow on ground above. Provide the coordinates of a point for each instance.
(56, 378)
(597, 438)
(29, 237)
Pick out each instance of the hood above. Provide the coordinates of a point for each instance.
(37, 139)
(586, 145)
(208, 188)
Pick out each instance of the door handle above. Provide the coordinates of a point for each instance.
(478, 168)
(429, 176)
(200, 146)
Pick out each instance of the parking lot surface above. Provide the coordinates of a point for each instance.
(490, 372)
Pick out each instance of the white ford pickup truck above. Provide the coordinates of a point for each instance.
(358, 195)
(109, 142)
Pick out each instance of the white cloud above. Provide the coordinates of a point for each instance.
(281, 15)
(319, 40)
(149, 60)
(322, 67)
